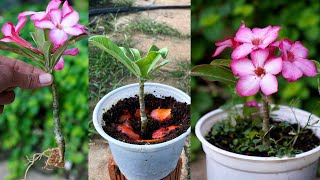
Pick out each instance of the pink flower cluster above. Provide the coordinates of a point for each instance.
(60, 22)
(259, 71)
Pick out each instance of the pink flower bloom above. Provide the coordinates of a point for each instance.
(37, 16)
(258, 73)
(61, 25)
(252, 103)
(257, 38)
(295, 62)
(229, 42)
(11, 34)
(71, 52)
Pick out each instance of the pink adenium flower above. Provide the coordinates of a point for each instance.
(295, 62)
(258, 73)
(61, 26)
(70, 52)
(37, 16)
(11, 34)
(257, 38)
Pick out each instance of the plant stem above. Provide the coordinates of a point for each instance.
(57, 125)
(142, 106)
(266, 120)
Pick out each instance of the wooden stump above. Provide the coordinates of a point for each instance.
(115, 173)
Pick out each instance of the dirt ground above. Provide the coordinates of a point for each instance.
(179, 51)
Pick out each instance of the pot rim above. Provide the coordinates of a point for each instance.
(245, 157)
(98, 126)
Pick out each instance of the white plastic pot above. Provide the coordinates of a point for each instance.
(139, 162)
(226, 165)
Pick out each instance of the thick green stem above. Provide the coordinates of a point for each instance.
(142, 106)
(266, 121)
(57, 125)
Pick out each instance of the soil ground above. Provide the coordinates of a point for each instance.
(179, 53)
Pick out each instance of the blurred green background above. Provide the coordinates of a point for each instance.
(213, 21)
(26, 126)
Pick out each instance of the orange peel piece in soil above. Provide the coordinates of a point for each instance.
(129, 132)
(161, 115)
(162, 132)
(125, 116)
(150, 140)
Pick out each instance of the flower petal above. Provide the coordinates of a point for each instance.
(298, 50)
(242, 67)
(242, 51)
(222, 45)
(66, 8)
(70, 19)
(73, 31)
(290, 71)
(38, 16)
(54, 4)
(248, 85)
(60, 65)
(58, 37)
(22, 21)
(244, 35)
(7, 29)
(44, 24)
(273, 65)
(270, 36)
(6, 39)
(55, 16)
(81, 26)
(259, 57)
(26, 13)
(269, 84)
(260, 32)
(306, 66)
(71, 52)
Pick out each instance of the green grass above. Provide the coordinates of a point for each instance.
(151, 27)
(111, 3)
(123, 3)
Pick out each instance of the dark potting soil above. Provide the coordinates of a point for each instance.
(180, 117)
(234, 139)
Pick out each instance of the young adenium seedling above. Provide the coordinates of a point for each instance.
(141, 67)
(52, 28)
(255, 66)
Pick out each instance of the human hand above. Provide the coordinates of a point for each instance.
(15, 73)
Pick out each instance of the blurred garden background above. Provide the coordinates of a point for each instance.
(26, 126)
(213, 21)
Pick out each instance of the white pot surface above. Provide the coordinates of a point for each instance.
(226, 165)
(139, 162)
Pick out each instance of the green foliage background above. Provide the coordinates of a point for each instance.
(26, 126)
(214, 20)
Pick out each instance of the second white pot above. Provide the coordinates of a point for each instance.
(139, 162)
(226, 165)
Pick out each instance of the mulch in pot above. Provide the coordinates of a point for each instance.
(125, 114)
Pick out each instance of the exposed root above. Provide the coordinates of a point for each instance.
(53, 156)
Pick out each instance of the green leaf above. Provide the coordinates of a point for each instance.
(135, 53)
(146, 64)
(154, 48)
(163, 51)
(221, 62)
(317, 65)
(39, 37)
(46, 50)
(214, 73)
(22, 51)
(164, 62)
(105, 44)
(127, 53)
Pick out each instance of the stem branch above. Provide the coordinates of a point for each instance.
(142, 106)
(266, 120)
(57, 125)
